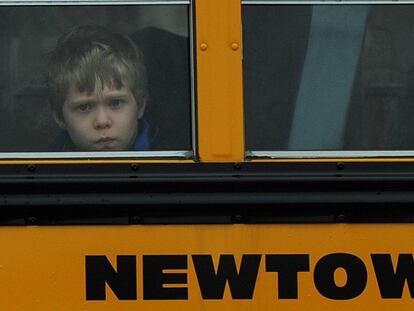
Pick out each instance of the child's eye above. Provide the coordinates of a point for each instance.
(84, 107)
(115, 103)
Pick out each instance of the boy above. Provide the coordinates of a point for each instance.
(98, 92)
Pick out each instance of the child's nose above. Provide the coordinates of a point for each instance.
(102, 119)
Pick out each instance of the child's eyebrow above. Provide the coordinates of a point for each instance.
(116, 96)
(82, 101)
(116, 93)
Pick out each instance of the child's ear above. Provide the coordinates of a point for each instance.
(59, 120)
(141, 108)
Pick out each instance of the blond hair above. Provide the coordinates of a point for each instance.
(91, 56)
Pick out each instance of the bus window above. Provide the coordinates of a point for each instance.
(328, 77)
(68, 99)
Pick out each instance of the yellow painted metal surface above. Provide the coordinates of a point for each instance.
(43, 268)
(219, 80)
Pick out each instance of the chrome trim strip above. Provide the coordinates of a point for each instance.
(97, 155)
(192, 80)
(92, 2)
(329, 154)
(340, 2)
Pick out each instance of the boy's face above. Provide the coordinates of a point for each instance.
(104, 120)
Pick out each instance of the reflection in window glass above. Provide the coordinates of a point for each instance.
(329, 77)
(80, 104)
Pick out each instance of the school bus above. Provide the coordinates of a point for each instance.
(281, 175)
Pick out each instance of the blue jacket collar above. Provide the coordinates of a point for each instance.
(142, 142)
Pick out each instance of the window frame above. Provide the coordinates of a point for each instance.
(322, 155)
(119, 155)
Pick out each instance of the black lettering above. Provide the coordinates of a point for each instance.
(287, 267)
(390, 283)
(356, 276)
(241, 283)
(123, 281)
(155, 278)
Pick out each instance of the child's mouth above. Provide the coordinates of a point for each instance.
(105, 142)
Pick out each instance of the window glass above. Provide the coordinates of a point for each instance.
(328, 77)
(119, 79)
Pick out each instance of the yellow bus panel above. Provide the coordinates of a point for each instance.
(208, 267)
